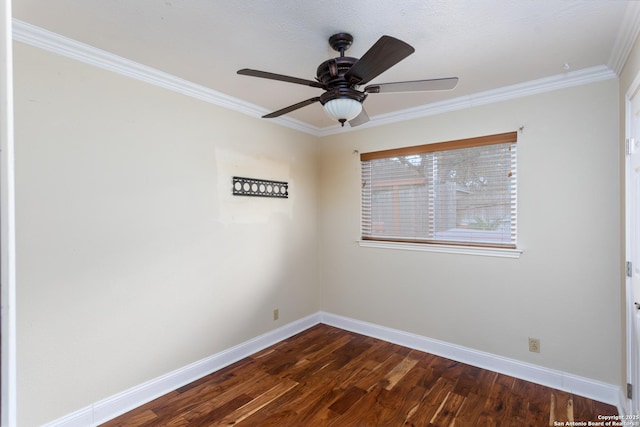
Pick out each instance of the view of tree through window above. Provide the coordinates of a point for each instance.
(459, 195)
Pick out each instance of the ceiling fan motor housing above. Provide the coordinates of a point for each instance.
(331, 74)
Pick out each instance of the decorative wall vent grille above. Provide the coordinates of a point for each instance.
(259, 187)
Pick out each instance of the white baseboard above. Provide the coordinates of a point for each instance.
(127, 400)
(586, 387)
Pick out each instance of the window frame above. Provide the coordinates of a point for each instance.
(473, 248)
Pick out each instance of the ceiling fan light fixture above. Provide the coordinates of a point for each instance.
(343, 109)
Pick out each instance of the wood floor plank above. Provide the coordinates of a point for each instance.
(218, 394)
(256, 404)
(397, 405)
(377, 375)
(430, 403)
(399, 371)
(470, 410)
(319, 359)
(251, 387)
(347, 400)
(302, 405)
(326, 376)
(209, 410)
(141, 417)
(448, 410)
(364, 412)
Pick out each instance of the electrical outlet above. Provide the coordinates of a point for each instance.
(534, 345)
(276, 314)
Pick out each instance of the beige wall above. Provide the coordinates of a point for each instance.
(133, 257)
(563, 290)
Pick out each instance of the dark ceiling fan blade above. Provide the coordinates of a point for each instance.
(384, 54)
(360, 119)
(280, 77)
(414, 86)
(291, 108)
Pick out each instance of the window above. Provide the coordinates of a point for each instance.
(453, 193)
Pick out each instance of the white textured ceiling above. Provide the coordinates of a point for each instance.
(488, 44)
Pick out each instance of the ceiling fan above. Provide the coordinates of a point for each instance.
(342, 77)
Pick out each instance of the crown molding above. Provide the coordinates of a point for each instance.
(627, 35)
(533, 87)
(38, 37)
(47, 40)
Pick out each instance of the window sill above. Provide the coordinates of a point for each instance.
(449, 249)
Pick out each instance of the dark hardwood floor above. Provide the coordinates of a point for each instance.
(326, 376)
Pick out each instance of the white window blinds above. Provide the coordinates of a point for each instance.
(457, 192)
